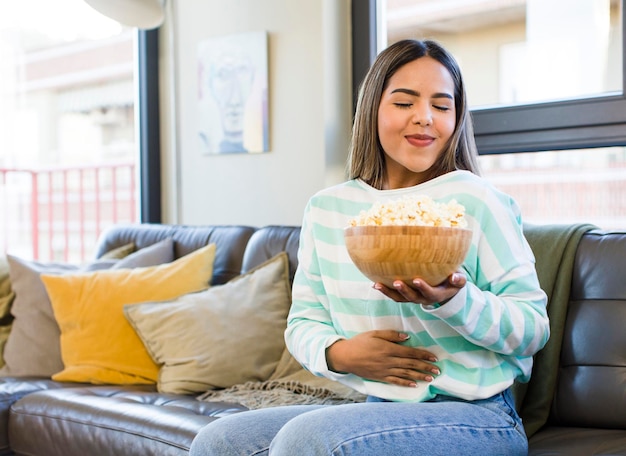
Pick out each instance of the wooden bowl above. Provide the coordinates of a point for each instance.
(387, 253)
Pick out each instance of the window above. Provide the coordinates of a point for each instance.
(69, 137)
(545, 80)
(580, 185)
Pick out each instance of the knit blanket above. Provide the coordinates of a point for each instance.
(289, 385)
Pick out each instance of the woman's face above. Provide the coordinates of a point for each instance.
(416, 118)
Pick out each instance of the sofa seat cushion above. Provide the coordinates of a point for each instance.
(13, 389)
(109, 420)
(574, 441)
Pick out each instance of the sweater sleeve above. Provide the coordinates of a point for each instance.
(502, 308)
(309, 325)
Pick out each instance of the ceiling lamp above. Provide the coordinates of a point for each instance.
(143, 14)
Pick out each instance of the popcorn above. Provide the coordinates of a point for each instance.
(418, 210)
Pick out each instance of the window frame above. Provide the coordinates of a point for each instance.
(148, 126)
(558, 125)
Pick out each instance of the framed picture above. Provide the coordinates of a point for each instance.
(233, 93)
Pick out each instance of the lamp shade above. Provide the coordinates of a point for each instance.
(143, 14)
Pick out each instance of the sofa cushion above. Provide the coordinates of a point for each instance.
(592, 369)
(230, 242)
(578, 441)
(220, 337)
(109, 420)
(97, 343)
(13, 389)
(33, 345)
(268, 241)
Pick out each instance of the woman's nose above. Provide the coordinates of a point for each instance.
(422, 116)
(423, 119)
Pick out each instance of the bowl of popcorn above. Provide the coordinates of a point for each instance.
(408, 238)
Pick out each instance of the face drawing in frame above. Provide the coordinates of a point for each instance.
(233, 94)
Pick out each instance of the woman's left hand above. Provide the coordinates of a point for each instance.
(421, 293)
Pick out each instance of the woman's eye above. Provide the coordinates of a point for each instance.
(403, 105)
(441, 108)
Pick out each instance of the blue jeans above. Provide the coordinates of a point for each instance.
(442, 426)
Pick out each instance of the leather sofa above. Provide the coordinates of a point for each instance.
(587, 405)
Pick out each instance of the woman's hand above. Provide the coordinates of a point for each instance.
(422, 293)
(378, 355)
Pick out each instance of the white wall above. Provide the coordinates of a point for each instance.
(309, 104)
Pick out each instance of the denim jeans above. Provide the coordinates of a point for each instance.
(443, 426)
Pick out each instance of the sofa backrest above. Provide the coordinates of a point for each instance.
(591, 390)
(269, 241)
(230, 241)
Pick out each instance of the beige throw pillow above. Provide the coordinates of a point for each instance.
(226, 335)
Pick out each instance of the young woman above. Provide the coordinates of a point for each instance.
(436, 362)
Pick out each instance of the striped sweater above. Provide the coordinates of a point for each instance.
(484, 337)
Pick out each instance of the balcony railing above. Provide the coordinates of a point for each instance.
(57, 214)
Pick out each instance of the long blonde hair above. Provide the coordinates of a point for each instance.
(366, 158)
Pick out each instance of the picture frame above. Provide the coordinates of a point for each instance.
(233, 112)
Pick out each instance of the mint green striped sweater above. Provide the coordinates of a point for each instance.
(484, 337)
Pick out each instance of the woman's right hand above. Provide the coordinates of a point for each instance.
(378, 355)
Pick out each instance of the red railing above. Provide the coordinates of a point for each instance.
(57, 214)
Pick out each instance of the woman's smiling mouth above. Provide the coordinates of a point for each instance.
(420, 140)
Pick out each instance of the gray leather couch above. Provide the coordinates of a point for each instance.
(587, 414)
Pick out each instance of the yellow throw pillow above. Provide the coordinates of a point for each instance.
(98, 345)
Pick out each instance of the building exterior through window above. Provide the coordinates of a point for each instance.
(67, 128)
